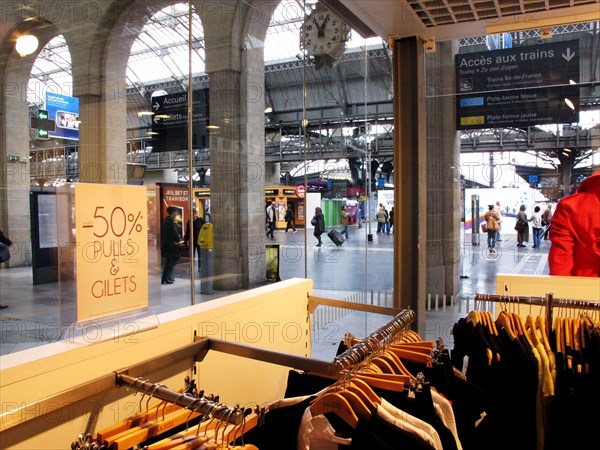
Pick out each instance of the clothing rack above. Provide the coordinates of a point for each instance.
(376, 340)
(549, 302)
(187, 401)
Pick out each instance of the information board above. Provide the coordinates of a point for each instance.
(170, 121)
(518, 87)
(64, 110)
(112, 249)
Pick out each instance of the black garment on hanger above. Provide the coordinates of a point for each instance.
(469, 401)
(279, 429)
(377, 434)
(302, 383)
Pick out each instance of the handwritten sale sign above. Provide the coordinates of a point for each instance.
(112, 249)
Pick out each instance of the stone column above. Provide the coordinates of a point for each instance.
(103, 135)
(15, 175)
(443, 174)
(272, 174)
(235, 64)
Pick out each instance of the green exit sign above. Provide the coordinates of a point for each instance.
(42, 124)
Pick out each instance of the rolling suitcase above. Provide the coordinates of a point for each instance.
(336, 237)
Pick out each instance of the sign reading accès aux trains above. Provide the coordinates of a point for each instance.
(519, 86)
(112, 249)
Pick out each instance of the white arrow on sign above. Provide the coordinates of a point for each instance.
(156, 106)
(569, 56)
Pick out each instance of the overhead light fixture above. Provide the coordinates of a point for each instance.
(570, 104)
(567, 150)
(162, 116)
(268, 109)
(572, 82)
(158, 93)
(152, 133)
(26, 45)
(145, 113)
(212, 127)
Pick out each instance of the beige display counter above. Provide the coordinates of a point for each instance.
(273, 317)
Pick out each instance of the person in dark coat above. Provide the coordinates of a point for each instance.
(198, 222)
(318, 221)
(289, 219)
(169, 245)
(6, 241)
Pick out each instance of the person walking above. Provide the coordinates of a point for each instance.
(492, 221)
(498, 210)
(536, 224)
(198, 222)
(546, 218)
(391, 220)
(318, 221)
(345, 222)
(381, 219)
(289, 219)
(271, 215)
(6, 241)
(169, 245)
(522, 226)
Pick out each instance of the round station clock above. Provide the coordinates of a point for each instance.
(324, 33)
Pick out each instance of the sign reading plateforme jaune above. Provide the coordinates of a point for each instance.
(112, 249)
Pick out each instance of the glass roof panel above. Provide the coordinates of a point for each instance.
(51, 72)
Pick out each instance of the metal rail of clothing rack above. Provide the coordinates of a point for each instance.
(132, 375)
(549, 302)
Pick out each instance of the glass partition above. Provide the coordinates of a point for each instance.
(250, 136)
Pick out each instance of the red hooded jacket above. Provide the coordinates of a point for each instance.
(575, 232)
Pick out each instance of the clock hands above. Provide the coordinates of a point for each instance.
(321, 28)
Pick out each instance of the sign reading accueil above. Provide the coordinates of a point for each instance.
(64, 110)
(112, 249)
(519, 86)
(170, 121)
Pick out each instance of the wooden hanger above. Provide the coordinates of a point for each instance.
(334, 402)
(382, 383)
(184, 436)
(397, 364)
(409, 355)
(216, 437)
(382, 363)
(517, 324)
(420, 346)
(150, 429)
(370, 393)
(139, 418)
(387, 376)
(504, 321)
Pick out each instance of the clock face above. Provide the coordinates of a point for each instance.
(323, 33)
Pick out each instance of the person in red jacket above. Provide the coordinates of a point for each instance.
(575, 232)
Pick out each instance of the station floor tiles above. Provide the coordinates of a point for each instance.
(359, 271)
